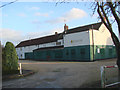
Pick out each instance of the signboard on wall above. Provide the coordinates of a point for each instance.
(75, 41)
(98, 50)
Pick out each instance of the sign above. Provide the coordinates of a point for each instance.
(74, 41)
(98, 50)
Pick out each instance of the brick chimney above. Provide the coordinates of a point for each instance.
(56, 33)
(65, 27)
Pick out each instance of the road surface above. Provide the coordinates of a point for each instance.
(58, 74)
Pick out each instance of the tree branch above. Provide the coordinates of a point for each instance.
(114, 37)
(8, 3)
(115, 15)
(104, 14)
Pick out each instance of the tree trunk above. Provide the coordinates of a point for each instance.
(118, 55)
(118, 61)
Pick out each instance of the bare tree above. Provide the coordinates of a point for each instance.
(105, 10)
(8, 3)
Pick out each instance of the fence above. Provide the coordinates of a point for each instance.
(104, 77)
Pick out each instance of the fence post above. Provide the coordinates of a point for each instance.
(102, 77)
(20, 69)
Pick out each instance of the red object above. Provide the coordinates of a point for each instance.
(109, 66)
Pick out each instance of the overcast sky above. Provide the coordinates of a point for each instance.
(28, 20)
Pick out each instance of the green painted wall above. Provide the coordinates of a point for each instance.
(48, 54)
(80, 53)
(29, 55)
(102, 52)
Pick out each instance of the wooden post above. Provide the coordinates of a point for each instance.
(20, 69)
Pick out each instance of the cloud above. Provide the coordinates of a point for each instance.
(32, 35)
(10, 35)
(34, 8)
(73, 14)
(41, 14)
(22, 14)
(16, 36)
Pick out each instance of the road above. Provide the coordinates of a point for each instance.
(58, 74)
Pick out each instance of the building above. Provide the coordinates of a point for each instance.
(84, 43)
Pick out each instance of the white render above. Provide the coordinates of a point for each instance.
(22, 50)
(101, 36)
(77, 39)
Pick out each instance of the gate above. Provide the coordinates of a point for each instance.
(105, 80)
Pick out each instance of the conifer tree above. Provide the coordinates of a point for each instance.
(9, 58)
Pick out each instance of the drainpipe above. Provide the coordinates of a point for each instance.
(93, 41)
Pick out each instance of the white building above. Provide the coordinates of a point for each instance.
(84, 43)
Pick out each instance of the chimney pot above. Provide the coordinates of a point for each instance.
(56, 33)
(65, 27)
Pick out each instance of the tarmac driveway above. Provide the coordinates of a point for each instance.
(58, 74)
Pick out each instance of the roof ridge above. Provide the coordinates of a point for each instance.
(86, 25)
(39, 37)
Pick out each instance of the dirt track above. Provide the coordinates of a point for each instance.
(59, 74)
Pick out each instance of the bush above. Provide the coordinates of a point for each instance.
(9, 59)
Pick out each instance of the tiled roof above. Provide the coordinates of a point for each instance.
(37, 41)
(49, 48)
(94, 26)
(53, 38)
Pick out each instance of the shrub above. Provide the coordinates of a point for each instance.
(9, 59)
